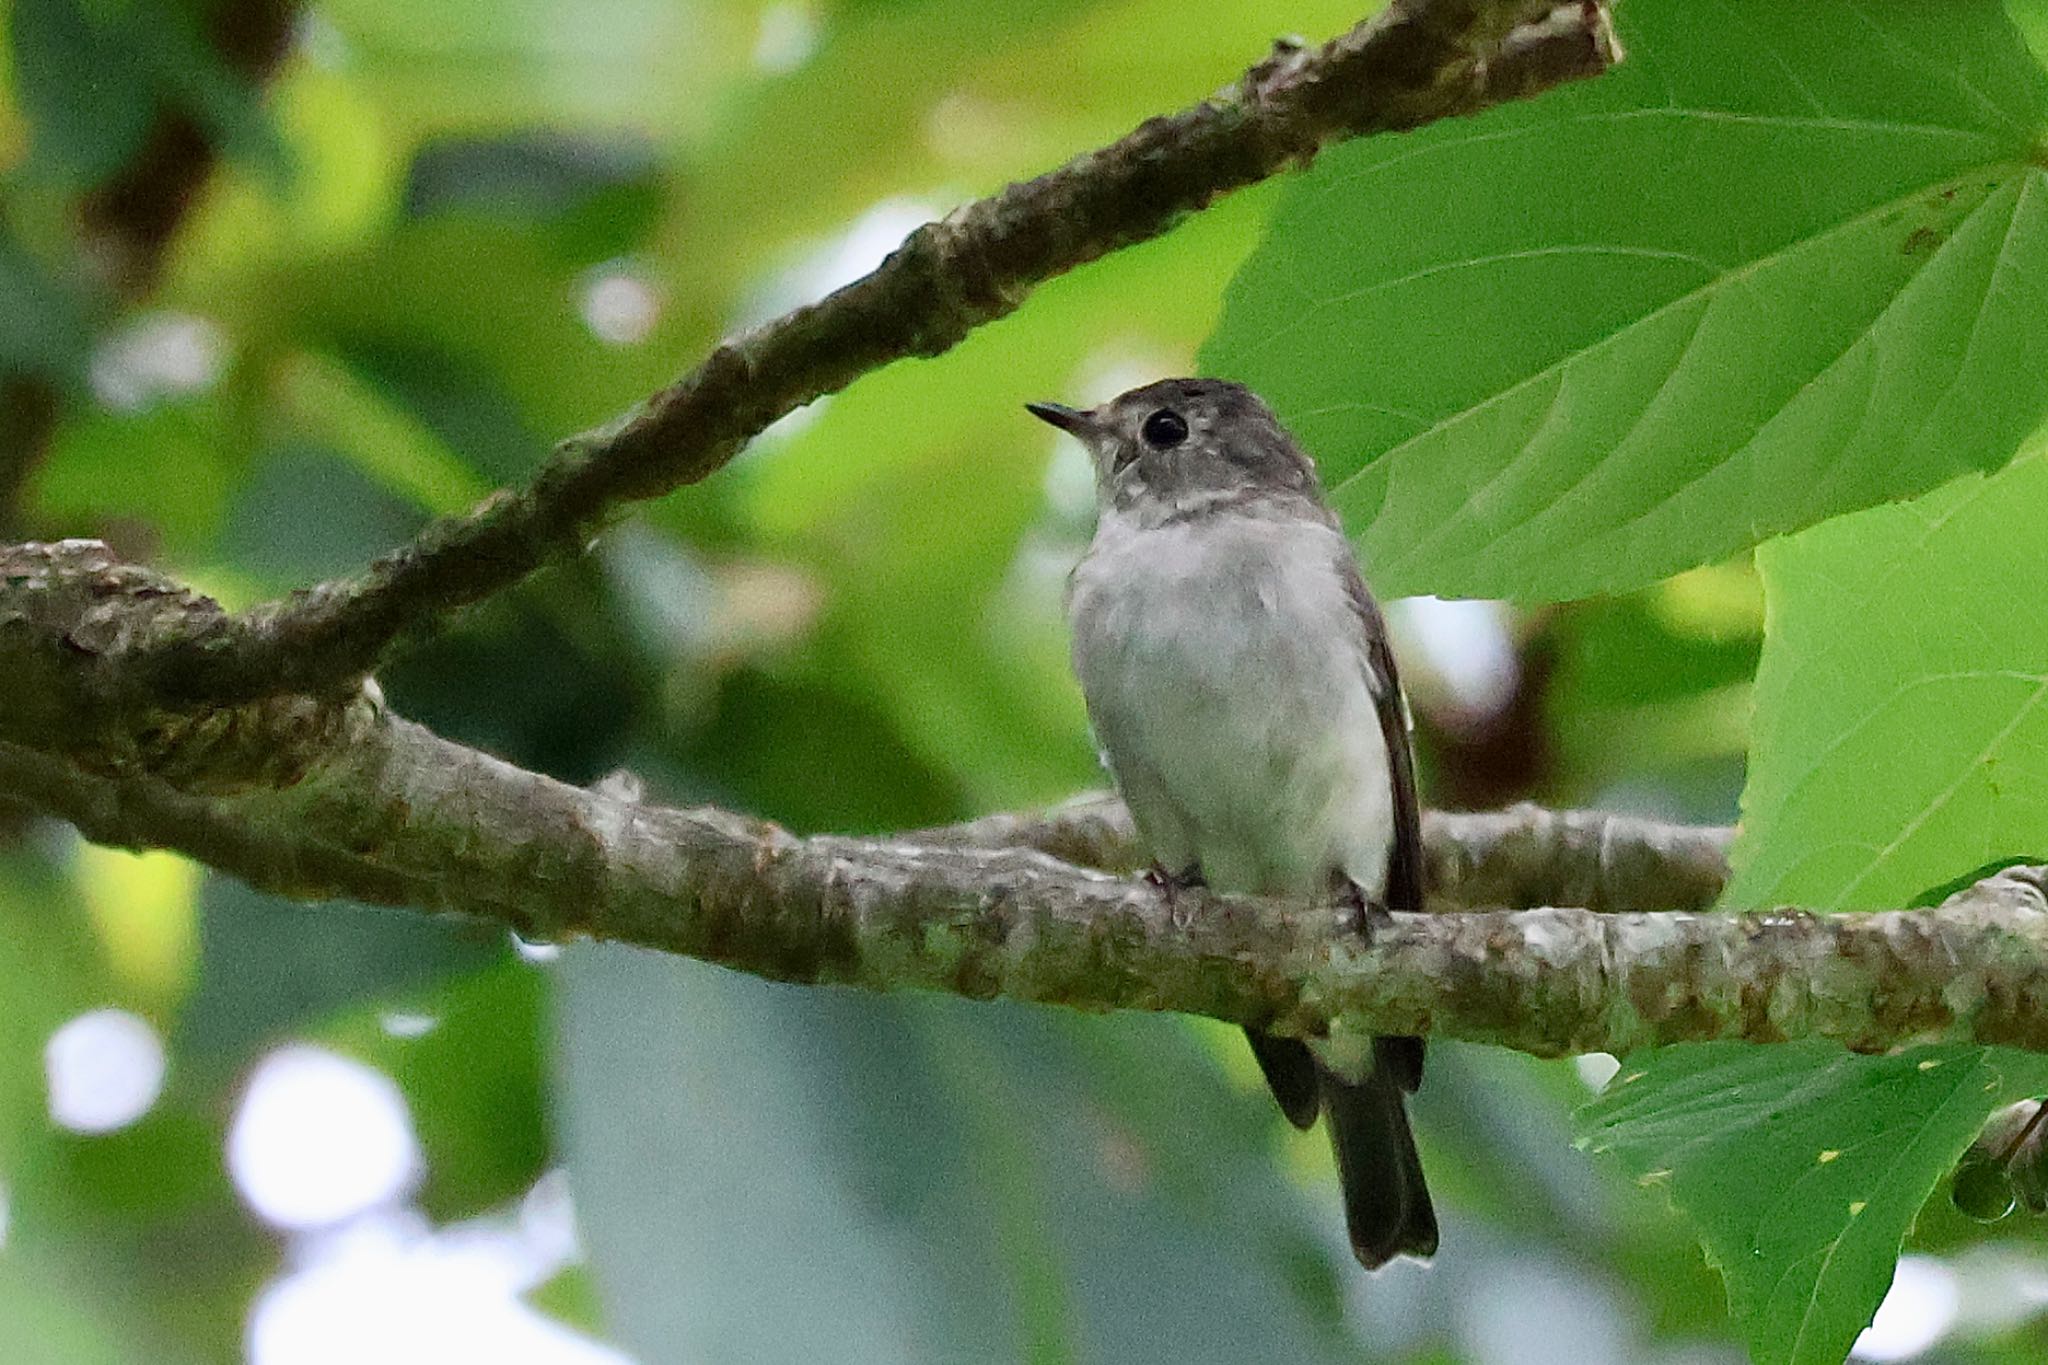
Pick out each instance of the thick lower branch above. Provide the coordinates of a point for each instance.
(1418, 61)
(403, 817)
(338, 798)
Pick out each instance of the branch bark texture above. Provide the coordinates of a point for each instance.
(1418, 61)
(339, 798)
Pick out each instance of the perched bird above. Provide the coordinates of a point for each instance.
(1240, 684)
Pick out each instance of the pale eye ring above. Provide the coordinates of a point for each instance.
(1164, 429)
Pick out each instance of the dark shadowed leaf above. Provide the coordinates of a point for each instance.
(931, 1179)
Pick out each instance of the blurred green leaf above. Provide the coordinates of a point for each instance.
(809, 755)
(561, 689)
(945, 1180)
(88, 95)
(268, 965)
(170, 466)
(92, 74)
(570, 1297)
(467, 1056)
(600, 197)
(382, 440)
(1541, 353)
(1639, 699)
(653, 63)
(1802, 1167)
(303, 513)
(53, 1318)
(50, 970)
(43, 327)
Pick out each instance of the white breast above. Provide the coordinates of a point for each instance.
(1225, 673)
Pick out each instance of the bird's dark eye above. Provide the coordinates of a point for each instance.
(1164, 429)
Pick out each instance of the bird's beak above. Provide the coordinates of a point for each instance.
(1070, 420)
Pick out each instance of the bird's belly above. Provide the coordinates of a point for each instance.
(1232, 704)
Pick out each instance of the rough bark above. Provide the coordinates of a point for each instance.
(338, 798)
(1523, 856)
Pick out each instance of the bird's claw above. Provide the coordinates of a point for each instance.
(1361, 914)
(1170, 885)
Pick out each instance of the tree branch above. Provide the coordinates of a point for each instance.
(1521, 857)
(1418, 61)
(339, 798)
(399, 816)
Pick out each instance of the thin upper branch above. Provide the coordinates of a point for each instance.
(1418, 61)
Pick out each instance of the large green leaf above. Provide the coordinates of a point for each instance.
(1899, 743)
(1789, 261)
(1802, 1168)
(1900, 737)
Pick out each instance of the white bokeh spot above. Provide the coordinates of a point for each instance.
(319, 1138)
(105, 1069)
(1468, 645)
(155, 356)
(1916, 1313)
(619, 306)
(391, 1289)
(787, 37)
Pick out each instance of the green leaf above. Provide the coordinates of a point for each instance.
(57, 1317)
(43, 328)
(472, 1079)
(1899, 742)
(171, 465)
(1802, 1167)
(1900, 737)
(268, 966)
(86, 94)
(1789, 261)
(92, 75)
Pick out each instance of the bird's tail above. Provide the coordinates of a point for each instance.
(1386, 1202)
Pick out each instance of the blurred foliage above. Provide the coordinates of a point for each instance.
(1578, 345)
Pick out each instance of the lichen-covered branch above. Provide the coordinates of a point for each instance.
(1418, 61)
(400, 816)
(338, 798)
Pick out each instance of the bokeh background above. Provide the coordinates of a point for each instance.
(278, 283)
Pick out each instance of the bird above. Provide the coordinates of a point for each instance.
(1241, 688)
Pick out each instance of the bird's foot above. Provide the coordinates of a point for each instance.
(1170, 885)
(1360, 913)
